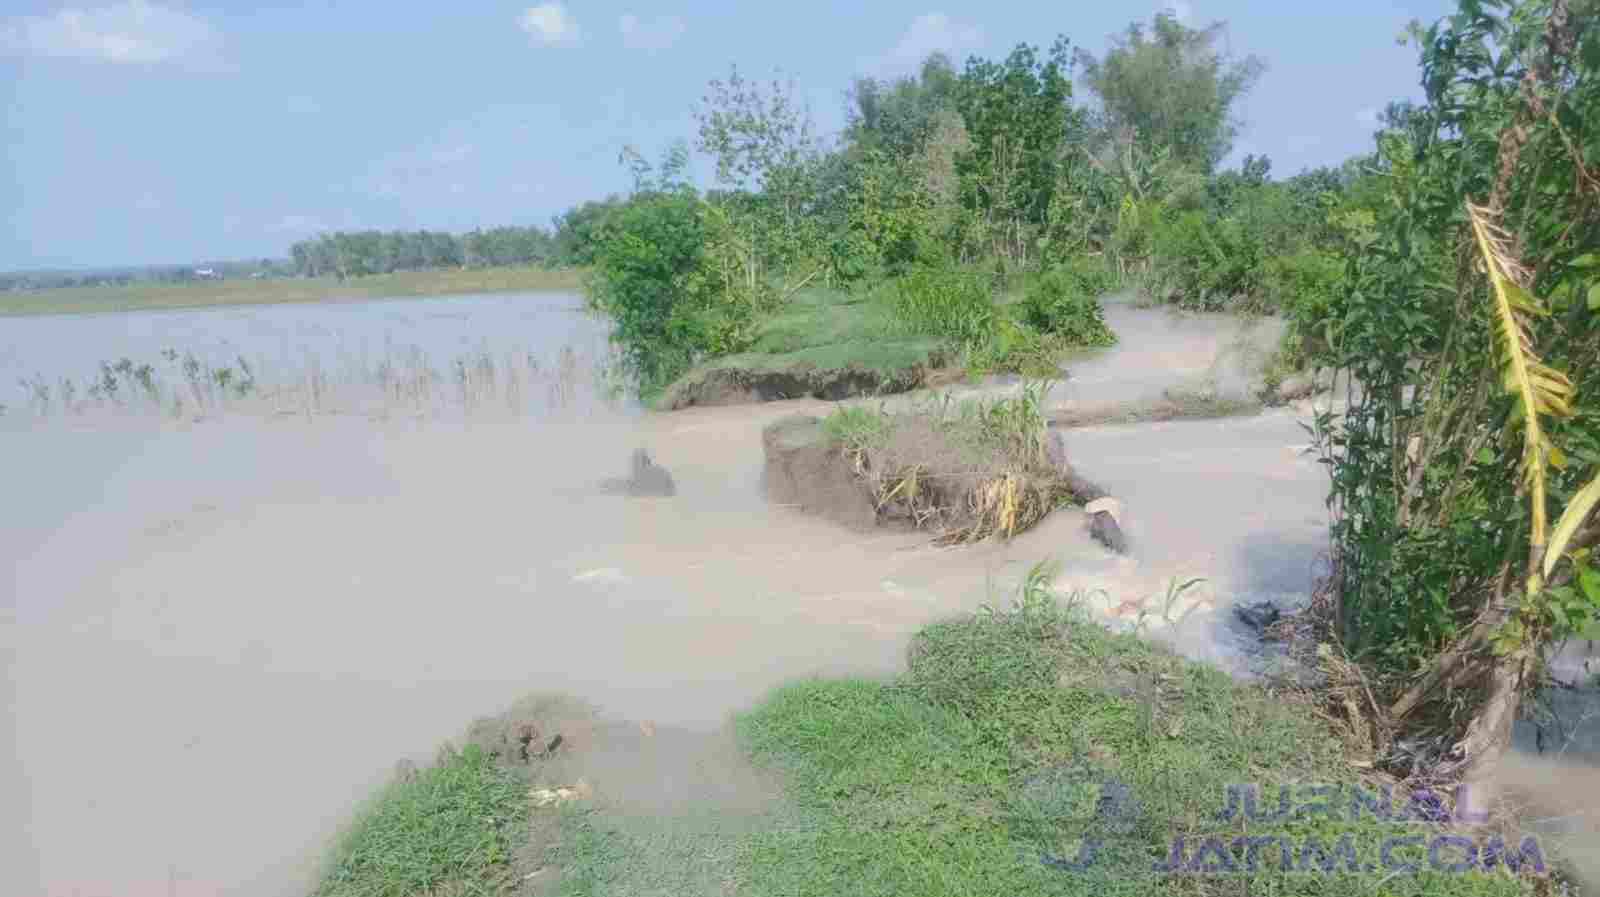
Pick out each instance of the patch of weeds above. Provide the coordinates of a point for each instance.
(591, 857)
(1018, 740)
(955, 306)
(452, 828)
(1064, 303)
(857, 427)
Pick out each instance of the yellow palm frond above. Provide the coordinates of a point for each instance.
(1577, 510)
(1540, 390)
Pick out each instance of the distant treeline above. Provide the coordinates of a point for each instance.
(567, 243)
(108, 277)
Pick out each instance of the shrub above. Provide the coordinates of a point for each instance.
(1063, 303)
(1205, 263)
(1305, 286)
(666, 272)
(647, 254)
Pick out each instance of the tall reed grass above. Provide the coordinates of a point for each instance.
(401, 382)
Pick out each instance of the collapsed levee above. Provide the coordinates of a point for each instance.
(963, 473)
(737, 385)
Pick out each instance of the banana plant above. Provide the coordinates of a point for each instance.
(1541, 392)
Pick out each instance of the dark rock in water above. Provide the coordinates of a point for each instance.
(1105, 522)
(647, 479)
(1103, 527)
(1258, 616)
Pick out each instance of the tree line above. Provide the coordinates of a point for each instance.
(567, 243)
(994, 167)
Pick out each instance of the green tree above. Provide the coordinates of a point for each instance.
(1018, 120)
(1464, 474)
(1173, 87)
(646, 278)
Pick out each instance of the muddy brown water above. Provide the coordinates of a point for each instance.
(219, 637)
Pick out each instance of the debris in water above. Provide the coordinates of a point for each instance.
(555, 797)
(1258, 616)
(608, 575)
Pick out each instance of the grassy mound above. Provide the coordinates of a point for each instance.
(1030, 752)
(453, 828)
(825, 343)
(965, 471)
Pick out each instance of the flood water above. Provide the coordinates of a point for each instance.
(280, 340)
(220, 636)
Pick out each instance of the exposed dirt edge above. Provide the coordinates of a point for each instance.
(1155, 410)
(739, 386)
(807, 468)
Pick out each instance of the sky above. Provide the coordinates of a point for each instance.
(144, 132)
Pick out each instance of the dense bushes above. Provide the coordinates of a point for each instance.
(1205, 263)
(648, 277)
(1060, 310)
(1064, 302)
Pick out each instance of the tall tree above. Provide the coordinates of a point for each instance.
(1174, 87)
(1018, 118)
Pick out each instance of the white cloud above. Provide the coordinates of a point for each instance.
(659, 34)
(929, 33)
(133, 31)
(550, 24)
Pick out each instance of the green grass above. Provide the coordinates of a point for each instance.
(821, 330)
(826, 328)
(453, 828)
(983, 769)
(140, 297)
(992, 753)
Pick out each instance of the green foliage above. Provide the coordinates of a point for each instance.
(893, 217)
(857, 427)
(995, 749)
(1206, 263)
(451, 828)
(1431, 450)
(954, 305)
(1305, 285)
(1064, 302)
(649, 279)
(1018, 119)
(1172, 87)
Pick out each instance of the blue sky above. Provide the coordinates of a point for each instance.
(153, 132)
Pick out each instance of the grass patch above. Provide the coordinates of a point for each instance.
(919, 321)
(820, 332)
(1016, 738)
(143, 297)
(826, 328)
(449, 829)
